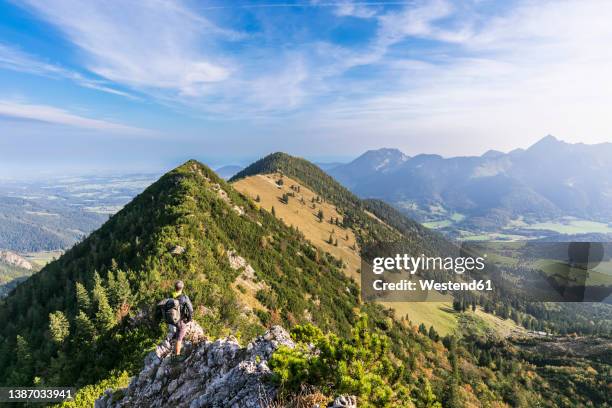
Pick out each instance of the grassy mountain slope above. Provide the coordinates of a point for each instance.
(367, 226)
(300, 211)
(367, 220)
(378, 220)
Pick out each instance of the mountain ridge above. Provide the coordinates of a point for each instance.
(549, 179)
(86, 319)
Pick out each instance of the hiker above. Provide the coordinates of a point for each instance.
(177, 312)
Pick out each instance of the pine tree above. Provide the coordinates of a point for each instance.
(120, 292)
(83, 299)
(85, 331)
(433, 334)
(104, 317)
(452, 398)
(320, 215)
(59, 327)
(25, 364)
(111, 285)
(428, 397)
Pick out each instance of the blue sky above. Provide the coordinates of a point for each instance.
(121, 86)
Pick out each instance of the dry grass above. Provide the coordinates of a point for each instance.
(308, 397)
(304, 217)
(437, 314)
(503, 327)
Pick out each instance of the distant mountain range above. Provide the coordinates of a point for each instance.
(226, 172)
(550, 179)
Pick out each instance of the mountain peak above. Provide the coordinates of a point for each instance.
(383, 158)
(546, 142)
(227, 171)
(491, 154)
(369, 164)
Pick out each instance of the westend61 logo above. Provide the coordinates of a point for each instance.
(536, 271)
(413, 265)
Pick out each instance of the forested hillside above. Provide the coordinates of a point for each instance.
(83, 320)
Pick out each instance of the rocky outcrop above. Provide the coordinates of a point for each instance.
(216, 374)
(12, 258)
(344, 402)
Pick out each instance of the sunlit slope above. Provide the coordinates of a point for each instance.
(301, 212)
(336, 202)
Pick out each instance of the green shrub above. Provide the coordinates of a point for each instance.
(360, 365)
(87, 395)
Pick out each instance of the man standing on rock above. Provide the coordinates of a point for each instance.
(177, 312)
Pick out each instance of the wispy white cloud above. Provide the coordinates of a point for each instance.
(352, 9)
(54, 115)
(15, 59)
(536, 68)
(150, 44)
(428, 67)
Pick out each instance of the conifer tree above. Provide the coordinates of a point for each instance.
(83, 299)
(104, 316)
(85, 331)
(25, 364)
(119, 292)
(59, 327)
(433, 334)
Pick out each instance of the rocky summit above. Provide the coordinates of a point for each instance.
(214, 374)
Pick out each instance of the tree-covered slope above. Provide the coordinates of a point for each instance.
(184, 226)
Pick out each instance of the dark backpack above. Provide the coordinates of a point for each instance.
(172, 312)
(185, 312)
